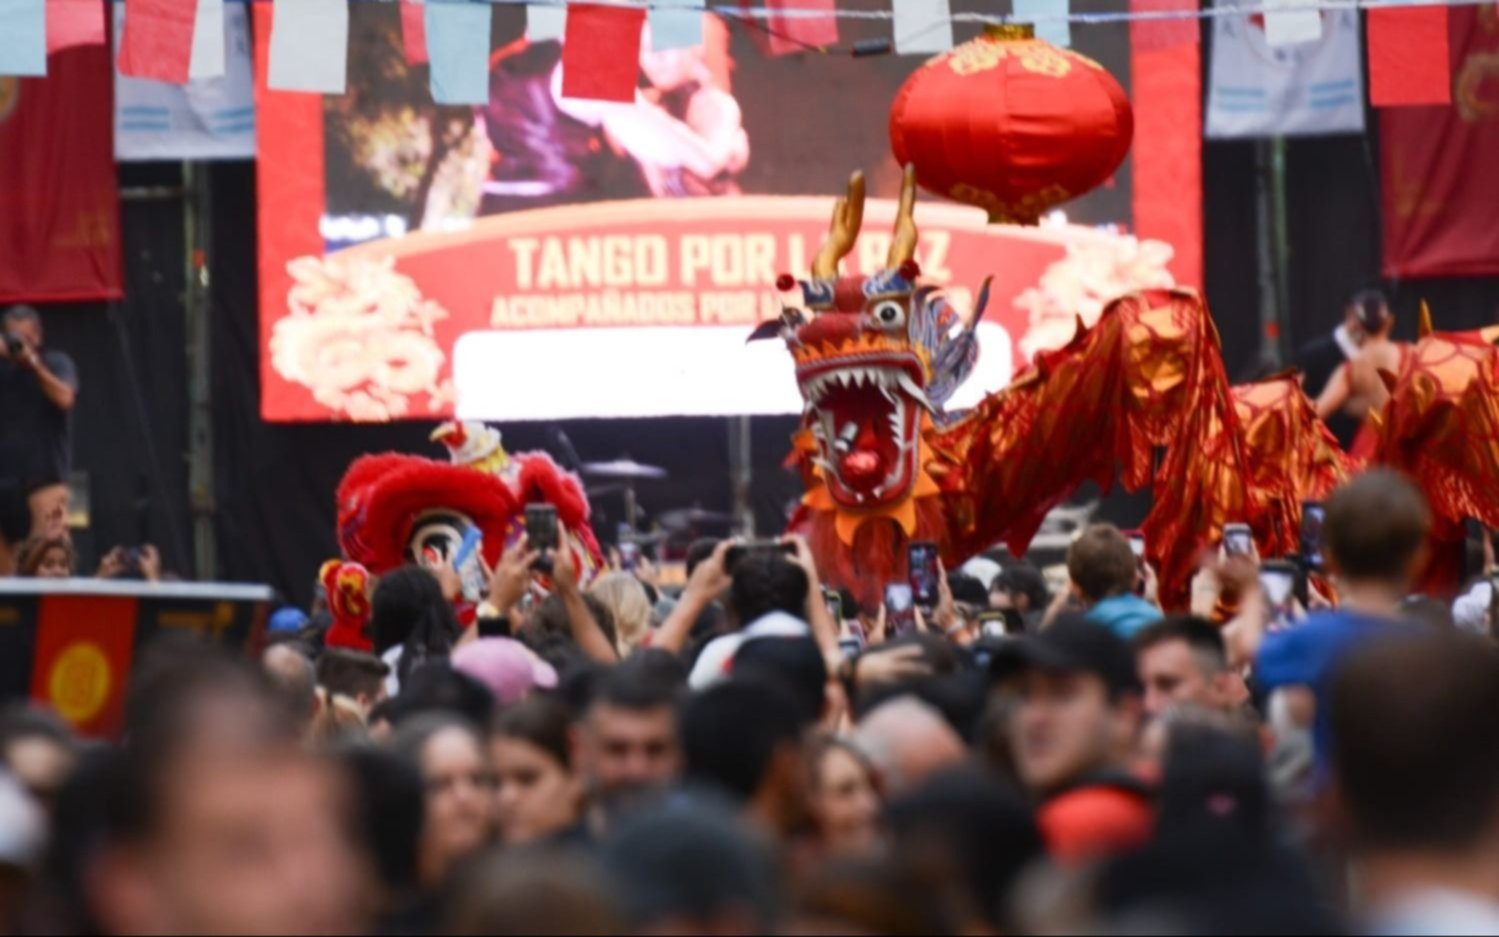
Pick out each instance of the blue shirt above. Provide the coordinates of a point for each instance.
(1309, 656)
(1125, 615)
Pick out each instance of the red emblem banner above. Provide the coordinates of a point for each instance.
(59, 203)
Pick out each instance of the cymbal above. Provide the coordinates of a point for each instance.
(686, 518)
(624, 469)
(646, 540)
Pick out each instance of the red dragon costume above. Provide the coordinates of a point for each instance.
(1142, 396)
(398, 509)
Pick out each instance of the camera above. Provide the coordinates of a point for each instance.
(14, 346)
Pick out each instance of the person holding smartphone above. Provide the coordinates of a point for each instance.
(39, 387)
(1104, 572)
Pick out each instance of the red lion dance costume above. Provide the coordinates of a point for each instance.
(395, 510)
(1142, 396)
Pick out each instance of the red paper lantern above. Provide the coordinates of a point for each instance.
(1011, 124)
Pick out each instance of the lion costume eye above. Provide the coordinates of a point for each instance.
(889, 315)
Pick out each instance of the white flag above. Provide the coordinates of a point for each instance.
(1308, 89)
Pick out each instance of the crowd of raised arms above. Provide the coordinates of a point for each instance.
(759, 754)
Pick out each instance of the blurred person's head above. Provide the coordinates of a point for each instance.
(25, 323)
(552, 620)
(354, 676)
(339, 722)
(908, 741)
(795, 664)
(295, 680)
(689, 866)
(1079, 702)
(1213, 775)
(459, 780)
(628, 605)
(216, 820)
(744, 737)
(627, 741)
(1102, 564)
(1375, 536)
(507, 668)
(522, 893)
(409, 611)
(973, 828)
(435, 688)
(766, 582)
(46, 558)
(843, 797)
(537, 793)
(1368, 315)
(38, 750)
(389, 799)
(1183, 661)
(1416, 750)
(893, 895)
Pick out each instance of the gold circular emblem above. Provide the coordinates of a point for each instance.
(10, 93)
(79, 683)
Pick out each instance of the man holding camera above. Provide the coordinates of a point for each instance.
(39, 388)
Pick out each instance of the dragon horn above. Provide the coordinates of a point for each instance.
(848, 218)
(903, 247)
(1426, 327)
(977, 315)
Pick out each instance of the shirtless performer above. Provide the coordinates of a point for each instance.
(1356, 389)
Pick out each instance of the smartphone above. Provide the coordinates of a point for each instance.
(925, 575)
(900, 609)
(541, 527)
(1312, 516)
(1137, 544)
(1278, 580)
(1238, 540)
(834, 603)
(629, 556)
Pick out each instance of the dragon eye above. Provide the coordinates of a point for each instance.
(890, 315)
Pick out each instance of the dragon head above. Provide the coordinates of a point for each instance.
(876, 358)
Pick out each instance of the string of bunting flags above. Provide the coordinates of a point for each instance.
(175, 41)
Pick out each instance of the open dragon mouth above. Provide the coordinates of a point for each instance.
(865, 412)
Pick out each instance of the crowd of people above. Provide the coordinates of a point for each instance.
(758, 754)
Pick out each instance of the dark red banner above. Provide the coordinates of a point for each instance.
(59, 204)
(1440, 187)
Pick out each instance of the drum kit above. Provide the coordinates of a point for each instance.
(623, 476)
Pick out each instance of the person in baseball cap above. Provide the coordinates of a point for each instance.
(1079, 710)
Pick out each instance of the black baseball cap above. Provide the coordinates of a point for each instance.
(1071, 645)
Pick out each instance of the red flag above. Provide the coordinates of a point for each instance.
(72, 23)
(1168, 32)
(59, 204)
(601, 52)
(158, 40)
(84, 649)
(787, 35)
(1409, 59)
(1439, 194)
(414, 32)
